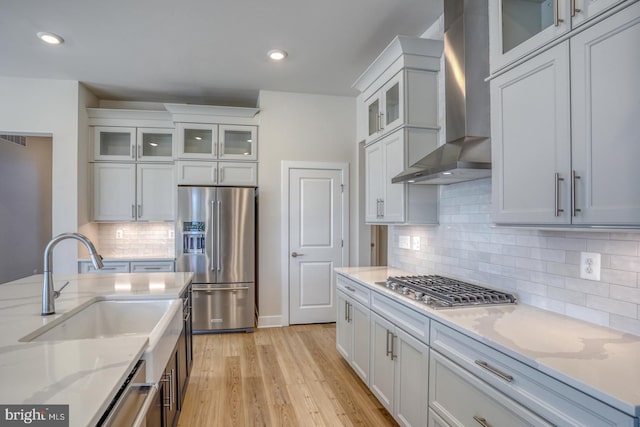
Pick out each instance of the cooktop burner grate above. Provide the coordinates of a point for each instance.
(442, 292)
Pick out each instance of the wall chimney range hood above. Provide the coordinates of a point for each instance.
(467, 153)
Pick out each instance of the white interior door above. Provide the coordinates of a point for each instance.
(317, 219)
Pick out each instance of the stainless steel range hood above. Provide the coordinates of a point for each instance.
(467, 154)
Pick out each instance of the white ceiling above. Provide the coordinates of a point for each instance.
(204, 51)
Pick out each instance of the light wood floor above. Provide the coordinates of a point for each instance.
(289, 376)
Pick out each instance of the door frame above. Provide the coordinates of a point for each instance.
(286, 166)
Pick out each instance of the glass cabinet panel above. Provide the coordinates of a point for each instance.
(392, 103)
(114, 143)
(197, 141)
(155, 144)
(238, 142)
(523, 19)
(374, 117)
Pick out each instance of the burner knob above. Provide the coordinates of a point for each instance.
(405, 291)
(418, 295)
(393, 286)
(426, 299)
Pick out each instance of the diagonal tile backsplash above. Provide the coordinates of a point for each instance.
(541, 266)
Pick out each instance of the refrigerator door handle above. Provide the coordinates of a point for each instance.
(218, 260)
(213, 239)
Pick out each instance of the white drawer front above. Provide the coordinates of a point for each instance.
(109, 267)
(546, 396)
(412, 322)
(151, 266)
(462, 399)
(354, 290)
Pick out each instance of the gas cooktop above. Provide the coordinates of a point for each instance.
(443, 292)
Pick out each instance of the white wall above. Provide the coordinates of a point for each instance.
(25, 208)
(50, 107)
(297, 127)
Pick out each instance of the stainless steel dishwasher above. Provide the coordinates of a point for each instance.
(133, 402)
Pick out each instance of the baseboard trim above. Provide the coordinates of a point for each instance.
(269, 321)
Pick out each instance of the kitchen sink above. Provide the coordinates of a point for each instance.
(104, 319)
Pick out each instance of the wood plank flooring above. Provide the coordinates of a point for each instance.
(290, 376)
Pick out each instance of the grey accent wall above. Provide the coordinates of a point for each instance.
(25, 206)
(542, 267)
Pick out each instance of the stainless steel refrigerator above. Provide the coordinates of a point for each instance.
(215, 239)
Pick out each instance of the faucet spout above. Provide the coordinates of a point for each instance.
(48, 293)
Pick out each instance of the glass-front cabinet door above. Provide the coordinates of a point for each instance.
(393, 112)
(197, 141)
(155, 144)
(518, 27)
(238, 142)
(114, 143)
(373, 112)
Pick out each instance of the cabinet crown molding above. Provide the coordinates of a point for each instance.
(403, 52)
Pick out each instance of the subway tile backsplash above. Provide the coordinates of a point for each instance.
(136, 240)
(541, 266)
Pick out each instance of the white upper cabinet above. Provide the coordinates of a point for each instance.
(530, 150)
(217, 142)
(385, 108)
(128, 144)
(564, 130)
(238, 142)
(114, 143)
(197, 141)
(605, 87)
(519, 27)
(155, 145)
(400, 88)
(133, 192)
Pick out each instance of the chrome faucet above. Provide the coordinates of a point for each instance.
(48, 293)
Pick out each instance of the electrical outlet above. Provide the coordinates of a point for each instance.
(415, 243)
(404, 242)
(170, 234)
(119, 234)
(590, 266)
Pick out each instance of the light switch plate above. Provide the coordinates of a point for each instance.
(415, 243)
(404, 242)
(590, 265)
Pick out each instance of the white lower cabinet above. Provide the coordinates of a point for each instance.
(461, 399)
(399, 374)
(352, 334)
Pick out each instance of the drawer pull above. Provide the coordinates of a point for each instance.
(349, 288)
(494, 371)
(482, 421)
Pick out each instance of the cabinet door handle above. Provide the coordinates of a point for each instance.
(139, 211)
(381, 121)
(140, 151)
(381, 208)
(493, 370)
(556, 13)
(346, 311)
(388, 345)
(350, 312)
(574, 209)
(393, 346)
(557, 209)
(133, 151)
(133, 211)
(574, 10)
(221, 175)
(482, 421)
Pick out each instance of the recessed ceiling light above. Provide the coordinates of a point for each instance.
(50, 38)
(198, 138)
(153, 144)
(277, 54)
(447, 173)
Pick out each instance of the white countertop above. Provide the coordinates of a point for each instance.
(85, 374)
(599, 361)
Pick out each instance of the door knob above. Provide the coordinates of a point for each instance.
(296, 254)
